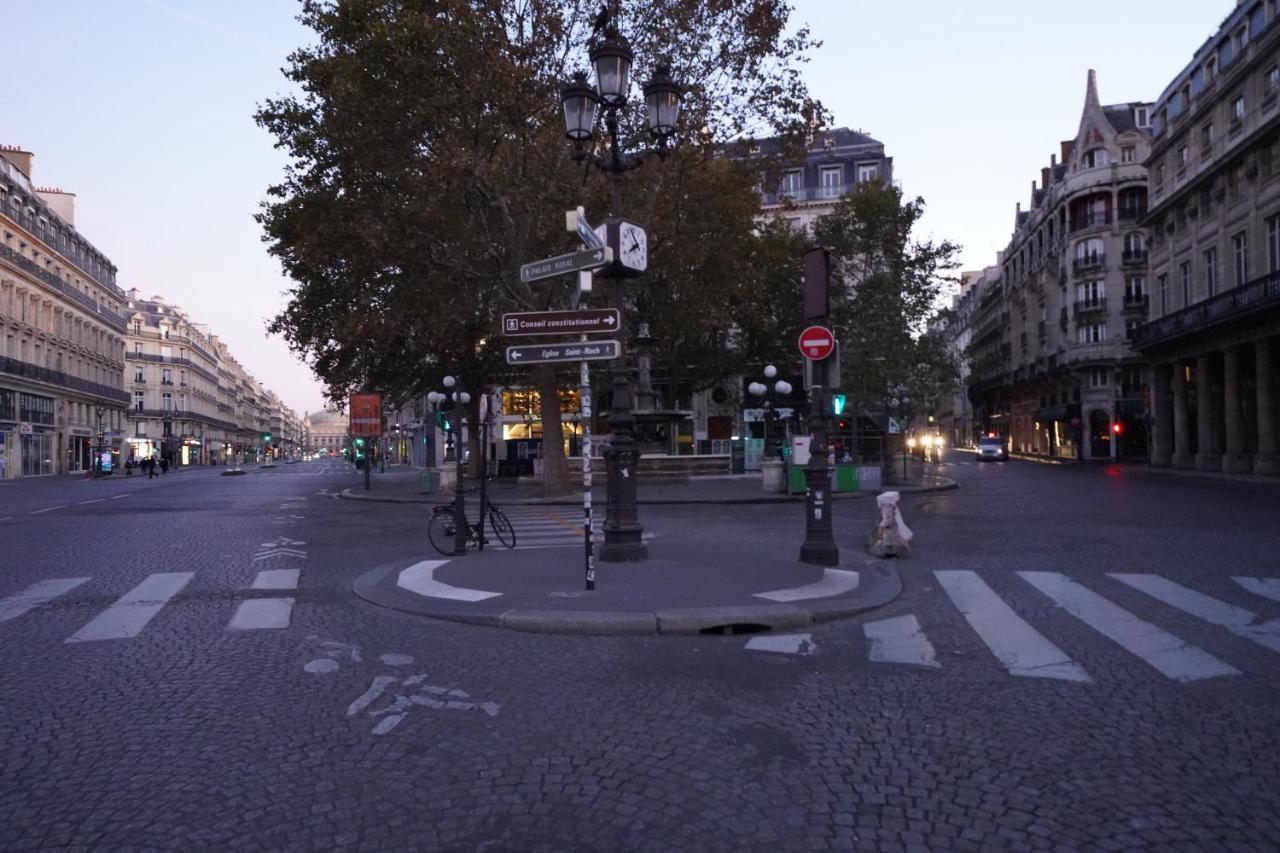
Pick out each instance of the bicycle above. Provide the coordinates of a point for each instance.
(442, 529)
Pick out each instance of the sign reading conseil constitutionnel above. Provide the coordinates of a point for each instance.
(584, 322)
(541, 354)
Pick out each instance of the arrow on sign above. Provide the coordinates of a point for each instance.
(580, 351)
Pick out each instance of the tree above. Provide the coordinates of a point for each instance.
(428, 163)
(892, 287)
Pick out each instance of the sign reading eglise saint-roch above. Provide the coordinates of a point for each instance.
(582, 322)
(543, 353)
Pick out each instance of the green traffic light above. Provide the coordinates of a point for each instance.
(837, 404)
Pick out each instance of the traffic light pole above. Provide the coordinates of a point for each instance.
(367, 463)
(819, 546)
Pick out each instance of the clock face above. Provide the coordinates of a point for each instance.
(633, 247)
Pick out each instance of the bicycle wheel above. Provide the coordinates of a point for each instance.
(441, 530)
(501, 527)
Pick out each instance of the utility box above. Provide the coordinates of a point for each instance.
(429, 481)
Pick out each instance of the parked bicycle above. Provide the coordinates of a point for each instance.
(443, 528)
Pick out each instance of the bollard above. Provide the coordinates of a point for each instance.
(891, 536)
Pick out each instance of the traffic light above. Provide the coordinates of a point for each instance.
(442, 418)
(843, 425)
(357, 444)
(266, 436)
(1115, 427)
(837, 404)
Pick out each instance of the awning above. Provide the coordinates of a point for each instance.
(1058, 413)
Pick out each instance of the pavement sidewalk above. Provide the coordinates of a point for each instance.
(402, 485)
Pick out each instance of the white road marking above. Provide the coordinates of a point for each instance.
(280, 552)
(396, 659)
(47, 509)
(1265, 587)
(260, 613)
(376, 689)
(419, 578)
(899, 640)
(1168, 654)
(320, 666)
(833, 582)
(35, 595)
(121, 495)
(1237, 620)
(277, 579)
(94, 501)
(787, 644)
(7, 518)
(133, 610)
(1020, 648)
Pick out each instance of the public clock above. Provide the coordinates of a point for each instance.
(630, 245)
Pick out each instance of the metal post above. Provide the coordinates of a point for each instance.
(459, 499)
(584, 380)
(623, 534)
(819, 546)
(368, 463)
(484, 469)
(904, 457)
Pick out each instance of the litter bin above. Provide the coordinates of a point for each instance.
(429, 480)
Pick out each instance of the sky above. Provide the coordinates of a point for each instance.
(144, 109)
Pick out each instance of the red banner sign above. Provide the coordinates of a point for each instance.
(366, 414)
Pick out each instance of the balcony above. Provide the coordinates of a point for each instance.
(1086, 352)
(30, 267)
(1136, 303)
(1252, 297)
(801, 195)
(14, 367)
(1131, 214)
(1133, 258)
(1086, 307)
(1090, 220)
(1093, 262)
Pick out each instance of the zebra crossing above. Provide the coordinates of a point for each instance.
(548, 527)
(1022, 650)
(131, 613)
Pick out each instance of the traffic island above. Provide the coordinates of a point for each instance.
(234, 472)
(684, 588)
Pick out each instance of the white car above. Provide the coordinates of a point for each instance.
(992, 447)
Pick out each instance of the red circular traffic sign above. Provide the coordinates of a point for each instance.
(817, 342)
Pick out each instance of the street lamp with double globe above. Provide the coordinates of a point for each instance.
(781, 388)
(460, 398)
(611, 58)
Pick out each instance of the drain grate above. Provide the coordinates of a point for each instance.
(737, 628)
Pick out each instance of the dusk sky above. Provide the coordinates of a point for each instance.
(143, 108)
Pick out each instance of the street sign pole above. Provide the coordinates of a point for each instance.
(819, 546)
(584, 379)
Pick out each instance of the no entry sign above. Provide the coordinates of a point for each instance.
(817, 342)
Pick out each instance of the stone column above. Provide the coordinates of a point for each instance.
(1265, 460)
(1209, 457)
(1182, 457)
(1162, 416)
(1234, 458)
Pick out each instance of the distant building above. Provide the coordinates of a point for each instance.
(328, 429)
(954, 411)
(1215, 252)
(836, 161)
(61, 334)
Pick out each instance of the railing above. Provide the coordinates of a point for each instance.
(56, 377)
(1132, 214)
(1090, 220)
(183, 362)
(64, 241)
(29, 266)
(1085, 352)
(1090, 306)
(1256, 295)
(1133, 258)
(1136, 303)
(1088, 262)
(799, 194)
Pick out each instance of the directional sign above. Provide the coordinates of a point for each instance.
(590, 351)
(561, 264)
(586, 322)
(817, 342)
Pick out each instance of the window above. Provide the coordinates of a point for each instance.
(1094, 333)
(1091, 294)
(1273, 78)
(139, 399)
(1133, 289)
(138, 375)
(792, 181)
(1241, 38)
(1210, 272)
(166, 376)
(1240, 253)
(1142, 117)
(1206, 136)
(1184, 275)
(868, 172)
(1099, 377)
(1126, 154)
(1096, 158)
(1160, 173)
(1089, 251)
(1237, 109)
(166, 401)
(831, 180)
(1210, 68)
(1162, 284)
(137, 347)
(1273, 244)
(1134, 244)
(1184, 155)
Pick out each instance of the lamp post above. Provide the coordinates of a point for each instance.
(98, 436)
(460, 399)
(782, 388)
(611, 58)
(900, 405)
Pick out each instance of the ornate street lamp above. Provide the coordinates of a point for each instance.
(781, 388)
(611, 59)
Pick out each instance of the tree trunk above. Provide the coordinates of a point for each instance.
(555, 468)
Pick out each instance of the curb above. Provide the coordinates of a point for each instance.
(878, 586)
(944, 484)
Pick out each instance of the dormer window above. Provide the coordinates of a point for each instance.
(755, 149)
(1095, 158)
(829, 142)
(1142, 117)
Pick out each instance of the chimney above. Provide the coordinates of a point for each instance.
(18, 157)
(1068, 145)
(133, 294)
(1045, 174)
(61, 202)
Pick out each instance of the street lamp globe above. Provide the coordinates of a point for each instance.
(662, 97)
(449, 382)
(770, 371)
(612, 60)
(464, 398)
(757, 389)
(579, 102)
(782, 387)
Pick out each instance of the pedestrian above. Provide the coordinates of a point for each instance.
(164, 464)
(151, 467)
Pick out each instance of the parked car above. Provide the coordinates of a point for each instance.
(992, 447)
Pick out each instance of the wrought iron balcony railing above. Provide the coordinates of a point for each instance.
(1251, 297)
(29, 266)
(14, 367)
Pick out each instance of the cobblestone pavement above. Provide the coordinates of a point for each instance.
(185, 667)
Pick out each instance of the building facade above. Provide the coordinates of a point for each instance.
(954, 410)
(329, 430)
(1073, 287)
(836, 161)
(1214, 218)
(62, 405)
